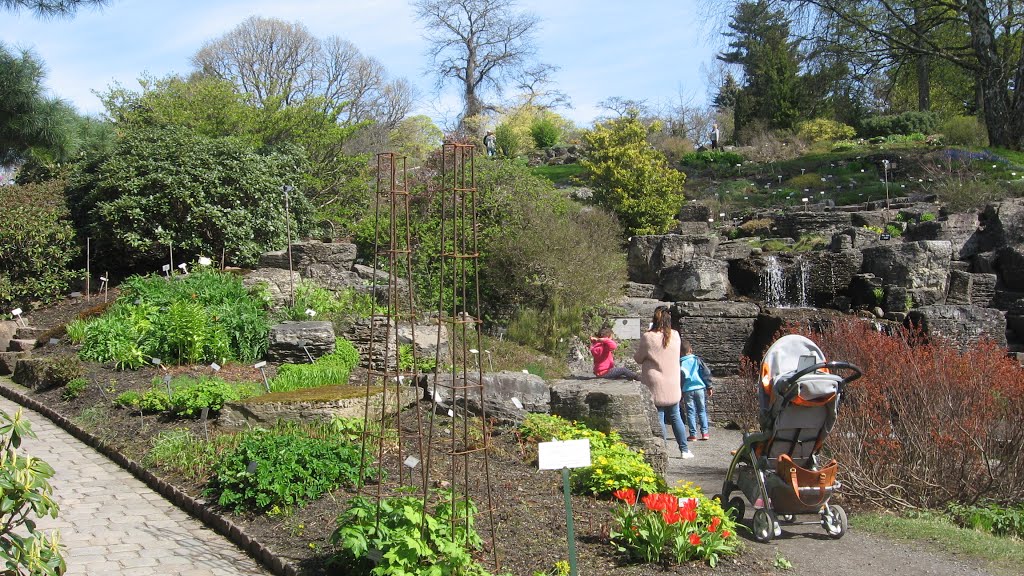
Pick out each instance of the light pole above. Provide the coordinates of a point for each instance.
(288, 230)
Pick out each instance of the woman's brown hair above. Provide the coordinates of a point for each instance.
(662, 322)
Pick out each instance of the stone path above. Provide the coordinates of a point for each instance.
(111, 523)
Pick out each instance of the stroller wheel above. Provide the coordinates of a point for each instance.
(834, 521)
(736, 503)
(763, 526)
(786, 517)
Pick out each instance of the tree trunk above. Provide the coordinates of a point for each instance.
(998, 117)
(924, 98)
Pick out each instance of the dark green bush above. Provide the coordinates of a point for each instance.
(164, 187)
(905, 123)
(191, 395)
(37, 245)
(718, 159)
(964, 131)
(63, 369)
(545, 133)
(290, 470)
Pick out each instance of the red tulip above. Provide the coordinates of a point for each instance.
(714, 524)
(695, 539)
(627, 495)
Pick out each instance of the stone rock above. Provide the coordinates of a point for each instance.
(895, 299)
(636, 290)
(8, 361)
(499, 388)
(874, 218)
(963, 325)
(959, 292)
(983, 289)
(961, 230)
(771, 320)
(277, 282)
(371, 337)
(700, 278)
(642, 308)
(734, 250)
(332, 278)
(285, 341)
(581, 194)
(854, 238)
(691, 228)
(18, 345)
(340, 255)
(647, 256)
(7, 330)
(622, 405)
(825, 275)
(1012, 302)
(1005, 221)
(29, 333)
(350, 402)
(922, 266)
(429, 338)
(694, 212)
(719, 331)
(31, 373)
(797, 224)
(1010, 265)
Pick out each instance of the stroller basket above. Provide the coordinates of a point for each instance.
(778, 469)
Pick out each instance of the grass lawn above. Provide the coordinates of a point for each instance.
(1004, 555)
(559, 174)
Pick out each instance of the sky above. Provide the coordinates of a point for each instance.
(652, 50)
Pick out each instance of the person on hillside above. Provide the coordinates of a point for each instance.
(715, 136)
(658, 355)
(697, 386)
(490, 143)
(601, 348)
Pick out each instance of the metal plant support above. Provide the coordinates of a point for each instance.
(451, 432)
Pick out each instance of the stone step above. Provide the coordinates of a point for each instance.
(20, 345)
(29, 333)
(9, 359)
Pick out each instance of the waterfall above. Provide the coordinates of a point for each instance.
(773, 283)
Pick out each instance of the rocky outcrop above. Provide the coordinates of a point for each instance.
(372, 337)
(329, 264)
(279, 283)
(314, 404)
(294, 342)
(797, 224)
(719, 331)
(699, 278)
(921, 267)
(647, 256)
(963, 325)
(622, 405)
(507, 396)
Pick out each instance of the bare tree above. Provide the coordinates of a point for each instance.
(479, 44)
(277, 63)
(50, 8)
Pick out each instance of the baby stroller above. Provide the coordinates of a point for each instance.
(779, 468)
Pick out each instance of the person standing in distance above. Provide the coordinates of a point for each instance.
(490, 143)
(715, 135)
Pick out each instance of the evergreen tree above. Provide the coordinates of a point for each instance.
(761, 45)
(28, 119)
(727, 93)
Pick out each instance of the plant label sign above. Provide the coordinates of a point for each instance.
(627, 328)
(517, 403)
(885, 237)
(411, 461)
(560, 454)
(166, 268)
(215, 366)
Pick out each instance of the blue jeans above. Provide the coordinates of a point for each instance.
(696, 409)
(676, 420)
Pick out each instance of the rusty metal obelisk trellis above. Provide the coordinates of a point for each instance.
(459, 312)
(387, 378)
(455, 385)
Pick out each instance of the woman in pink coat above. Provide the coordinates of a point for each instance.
(658, 356)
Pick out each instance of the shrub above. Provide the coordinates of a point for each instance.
(927, 217)
(720, 159)
(756, 227)
(413, 540)
(614, 464)
(990, 517)
(290, 470)
(191, 395)
(507, 141)
(820, 129)
(929, 423)
(964, 131)
(37, 245)
(905, 123)
(545, 133)
(630, 178)
(26, 493)
(63, 369)
(199, 194)
(74, 389)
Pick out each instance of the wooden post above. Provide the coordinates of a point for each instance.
(88, 245)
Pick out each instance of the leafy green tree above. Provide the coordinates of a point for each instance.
(415, 137)
(630, 178)
(169, 186)
(760, 43)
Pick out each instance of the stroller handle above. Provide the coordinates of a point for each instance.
(834, 365)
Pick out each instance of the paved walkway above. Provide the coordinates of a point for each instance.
(112, 524)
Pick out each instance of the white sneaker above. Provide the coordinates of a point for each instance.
(687, 455)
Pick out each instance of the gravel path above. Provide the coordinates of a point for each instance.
(112, 524)
(807, 547)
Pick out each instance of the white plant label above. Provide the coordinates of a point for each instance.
(560, 454)
(215, 366)
(166, 268)
(204, 261)
(16, 312)
(411, 461)
(259, 365)
(156, 361)
(54, 341)
(517, 403)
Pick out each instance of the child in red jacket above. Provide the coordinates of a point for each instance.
(601, 347)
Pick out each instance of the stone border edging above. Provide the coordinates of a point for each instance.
(179, 498)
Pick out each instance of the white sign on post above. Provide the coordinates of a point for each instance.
(560, 454)
(627, 328)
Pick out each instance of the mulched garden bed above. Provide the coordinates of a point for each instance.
(528, 504)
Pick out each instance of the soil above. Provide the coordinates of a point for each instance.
(528, 507)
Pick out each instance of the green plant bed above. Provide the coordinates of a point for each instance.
(558, 173)
(319, 394)
(328, 370)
